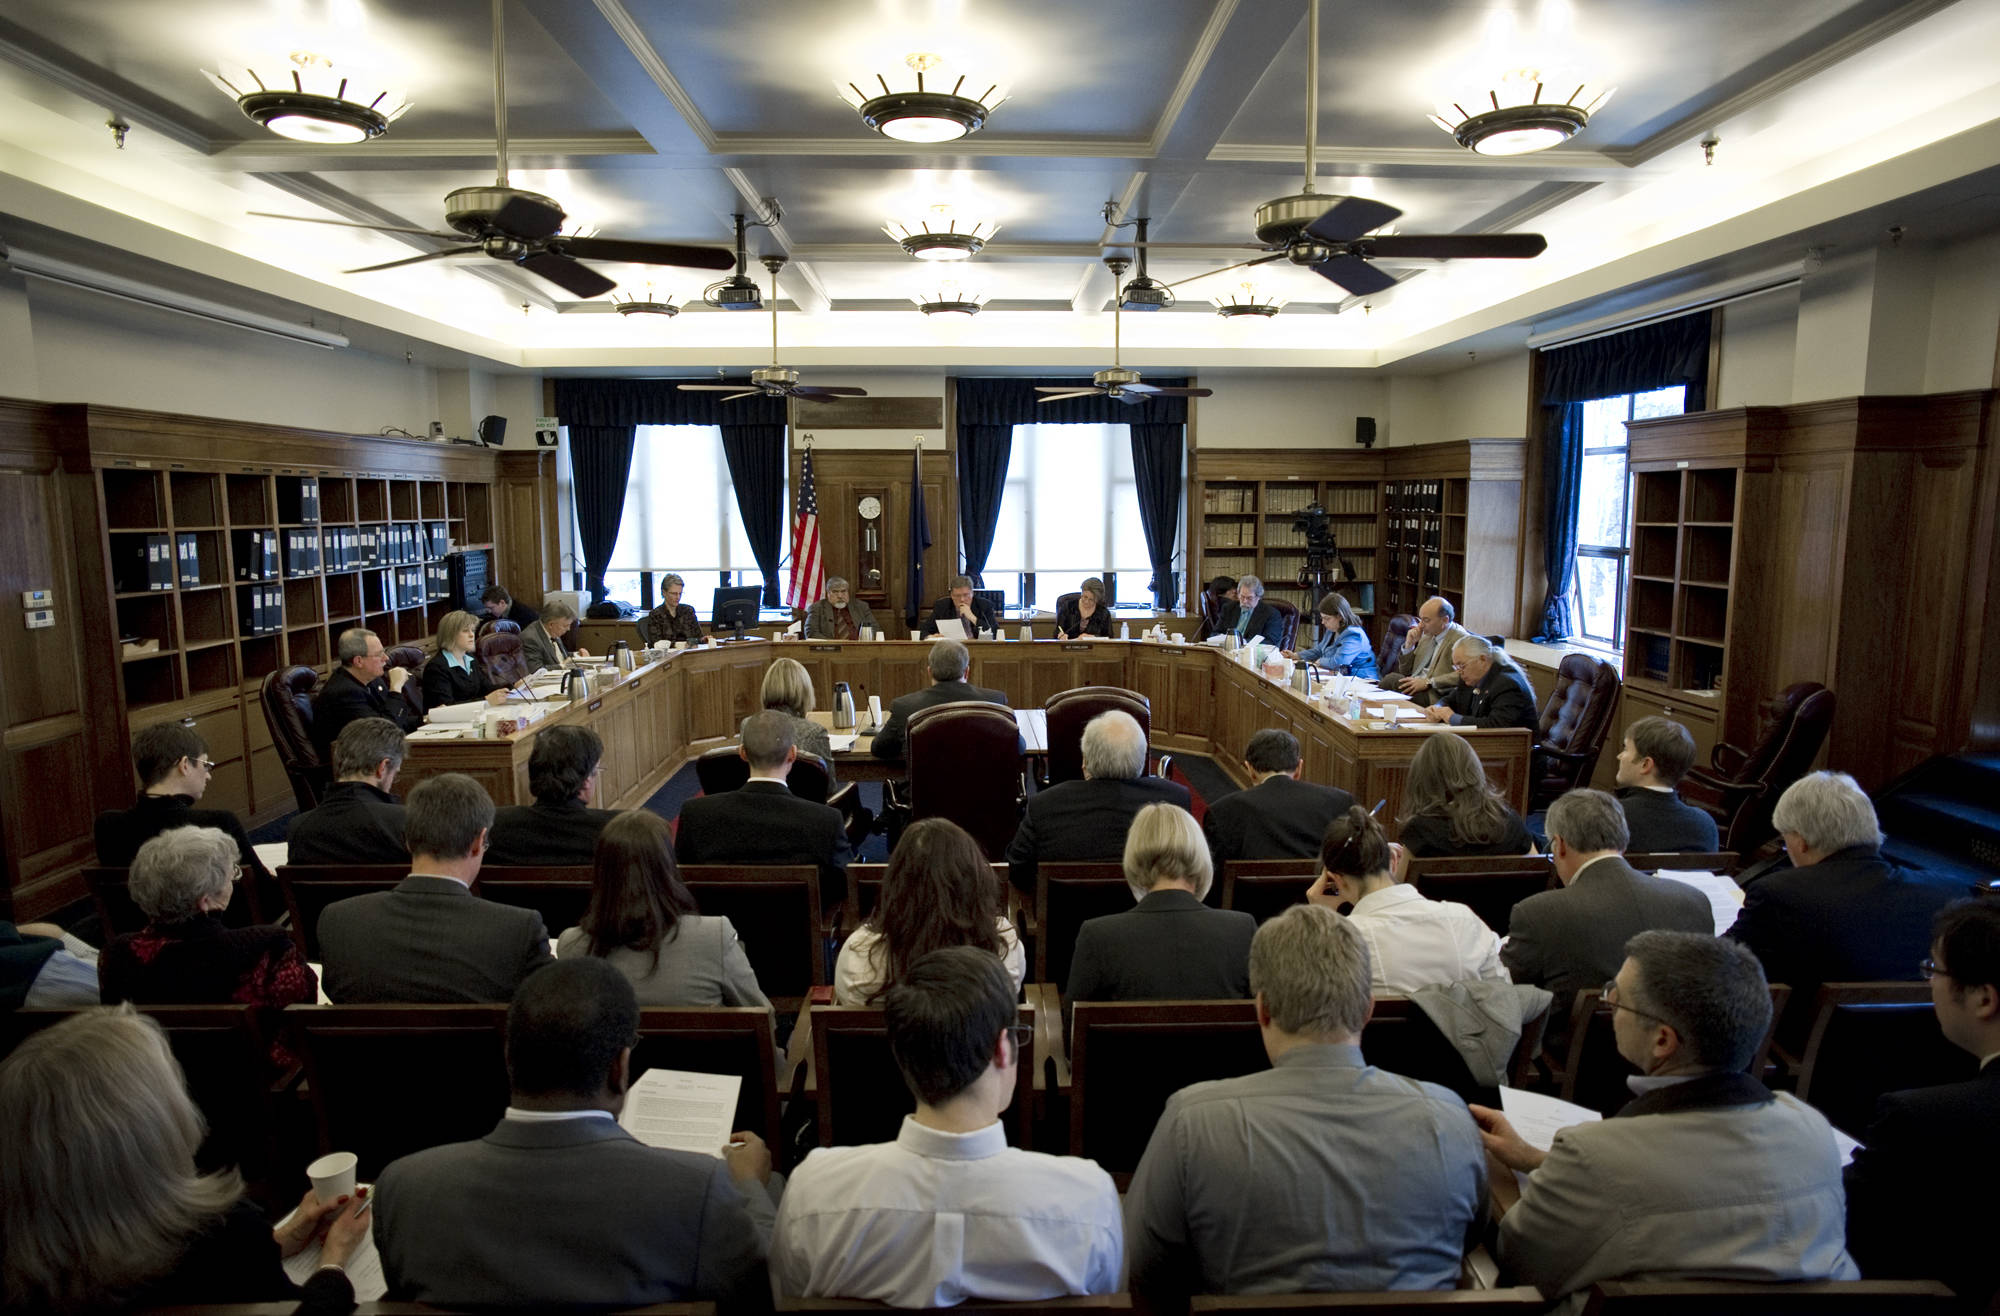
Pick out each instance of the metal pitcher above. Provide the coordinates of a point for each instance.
(576, 684)
(843, 707)
(622, 652)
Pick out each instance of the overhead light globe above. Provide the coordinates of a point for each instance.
(949, 299)
(1247, 300)
(303, 97)
(924, 102)
(647, 305)
(1521, 112)
(941, 235)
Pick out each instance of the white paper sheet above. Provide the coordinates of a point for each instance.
(273, 854)
(442, 731)
(1538, 1118)
(458, 714)
(1725, 898)
(841, 743)
(682, 1111)
(364, 1268)
(1848, 1146)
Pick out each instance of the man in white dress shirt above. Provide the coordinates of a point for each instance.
(948, 1211)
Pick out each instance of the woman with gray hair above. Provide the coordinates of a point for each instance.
(838, 616)
(673, 621)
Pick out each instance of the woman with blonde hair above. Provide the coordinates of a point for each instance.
(939, 891)
(1450, 808)
(454, 675)
(105, 1205)
(788, 688)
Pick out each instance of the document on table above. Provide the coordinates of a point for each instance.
(1725, 898)
(841, 743)
(682, 1111)
(364, 1268)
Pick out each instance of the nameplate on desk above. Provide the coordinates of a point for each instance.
(1076, 648)
(594, 705)
(826, 648)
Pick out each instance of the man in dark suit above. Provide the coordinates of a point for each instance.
(499, 605)
(1841, 913)
(364, 685)
(173, 766)
(1575, 938)
(949, 661)
(1491, 691)
(431, 940)
(1248, 617)
(1280, 817)
(761, 821)
(358, 821)
(1085, 821)
(1930, 1154)
(960, 614)
(559, 830)
(559, 1206)
(1656, 755)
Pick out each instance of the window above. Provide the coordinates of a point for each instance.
(680, 516)
(1070, 509)
(1603, 527)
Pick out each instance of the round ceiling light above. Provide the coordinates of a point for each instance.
(941, 235)
(1522, 112)
(308, 101)
(949, 299)
(927, 103)
(648, 305)
(1247, 300)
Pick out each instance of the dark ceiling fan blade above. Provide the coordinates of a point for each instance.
(1239, 265)
(523, 218)
(647, 253)
(1182, 392)
(828, 391)
(1350, 217)
(711, 388)
(1355, 274)
(413, 260)
(747, 393)
(1072, 393)
(1140, 386)
(578, 280)
(1185, 246)
(372, 228)
(1455, 246)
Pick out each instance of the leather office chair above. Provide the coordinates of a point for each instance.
(1575, 721)
(966, 764)
(411, 658)
(286, 697)
(722, 769)
(500, 654)
(1064, 600)
(1391, 651)
(1290, 612)
(1740, 787)
(1070, 711)
(1210, 602)
(492, 624)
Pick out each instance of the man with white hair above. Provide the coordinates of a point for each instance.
(1491, 690)
(838, 616)
(1249, 617)
(1085, 821)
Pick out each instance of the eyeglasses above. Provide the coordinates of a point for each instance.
(1022, 1035)
(203, 764)
(1930, 968)
(1610, 997)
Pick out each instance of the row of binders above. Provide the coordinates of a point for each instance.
(260, 609)
(423, 583)
(298, 500)
(308, 552)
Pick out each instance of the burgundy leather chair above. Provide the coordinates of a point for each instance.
(1210, 603)
(1290, 612)
(1740, 787)
(411, 658)
(1070, 712)
(492, 624)
(1575, 722)
(966, 764)
(287, 697)
(1391, 651)
(500, 654)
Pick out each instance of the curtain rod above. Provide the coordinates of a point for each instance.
(1721, 294)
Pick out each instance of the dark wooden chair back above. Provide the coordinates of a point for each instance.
(1575, 721)
(286, 697)
(1490, 887)
(722, 769)
(972, 1307)
(1266, 888)
(1594, 1073)
(1869, 1038)
(966, 764)
(719, 1039)
(1066, 895)
(1520, 1301)
(1725, 862)
(310, 888)
(861, 1094)
(865, 882)
(117, 913)
(775, 910)
(1401, 1038)
(1070, 712)
(1866, 1297)
(1128, 1057)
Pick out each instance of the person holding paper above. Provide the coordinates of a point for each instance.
(559, 1206)
(838, 616)
(454, 674)
(1656, 754)
(1705, 1172)
(1423, 671)
(961, 614)
(357, 820)
(1343, 646)
(1248, 617)
(1085, 821)
(1320, 1174)
(950, 660)
(1278, 816)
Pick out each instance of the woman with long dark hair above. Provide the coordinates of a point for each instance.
(1450, 808)
(939, 891)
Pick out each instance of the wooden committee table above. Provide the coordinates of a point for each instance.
(670, 711)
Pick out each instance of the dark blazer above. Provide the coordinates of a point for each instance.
(1168, 947)
(429, 941)
(1503, 698)
(681, 624)
(546, 835)
(1070, 623)
(354, 824)
(1265, 622)
(761, 822)
(942, 612)
(1428, 836)
(120, 832)
(519, 613)
(343, 699)
(541, 650)
(1278, 818)
(1083, 822)
(569, 1213)
(888, 742)
(445, 684)
(1661, 823)
(1929, 1152)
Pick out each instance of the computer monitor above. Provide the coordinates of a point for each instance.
(996, 599)
(737, 607)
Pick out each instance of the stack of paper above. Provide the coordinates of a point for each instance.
(682, 1111)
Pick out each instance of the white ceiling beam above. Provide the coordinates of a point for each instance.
(798, 277)
(1565, 162)
(656, 68)
(278, 155)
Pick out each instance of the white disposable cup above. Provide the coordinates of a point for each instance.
(882, 635)
(916, 635)
(332, 1176)
(1027, 633)
(874, 710)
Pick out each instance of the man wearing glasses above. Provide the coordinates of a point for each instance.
(1491, 690)
(949, 1212)
(1704, 1172)
(174, 767)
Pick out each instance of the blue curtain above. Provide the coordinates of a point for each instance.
(1156, 467)
(984, 452)
(756, 457)
(600, 461)
(914, 602)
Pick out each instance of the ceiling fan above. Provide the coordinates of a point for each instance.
(510, 224)
(1328, 233)
(774, 380)
(1118, 383)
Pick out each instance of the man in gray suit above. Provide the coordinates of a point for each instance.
(559, 1205)
(949, 662)
(1739, 1183)
(431, 939)
(1423, 671)
(1575, 938)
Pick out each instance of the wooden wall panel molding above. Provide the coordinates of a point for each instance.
(529, 559)
(841, 475)
(873, 413)
(163, 437)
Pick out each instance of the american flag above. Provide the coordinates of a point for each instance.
(808, 579)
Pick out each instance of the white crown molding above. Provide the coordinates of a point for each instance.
(656, 68)
(1204, 50)
(273, 154)
(1558, 163)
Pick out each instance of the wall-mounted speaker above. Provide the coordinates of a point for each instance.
(1364, 431)
(493, 431)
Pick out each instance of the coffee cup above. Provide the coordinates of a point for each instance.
(332, 1176)
(916, 635)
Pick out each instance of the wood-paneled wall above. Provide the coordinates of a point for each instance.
(842, 475)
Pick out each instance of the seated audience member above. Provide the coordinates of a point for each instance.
(364, 685)
(1343, 645)
(1248, 617)
(173, 764)
(559, 1206)
(454, 674)
(1841, 913)
(948, 1211)
(1085, 821)
(1319, 1174)
(1412, 942)
(761, 821)
(560, 829)
(938, 891)
(499, 605)
(1491, 691)
(1086, 614)
(961, 614)
(1573, 938)
(542, 647)
(1424, 671)
(788, 688)
(1657, 753)
(642, 919)
(838, 616)
(949, 662)
(1705, 1173)
(106, 1210)
(1278, 816)
(673, 621)
(1170, 947)
(431, 940)
(1214, 597)
(357, 820)
(1451, 809)
(1930, 1152)
(44, 968)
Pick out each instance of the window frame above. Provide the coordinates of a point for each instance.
(1619, 554)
